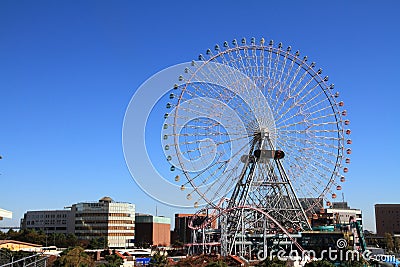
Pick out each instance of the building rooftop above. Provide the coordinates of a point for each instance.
(147, 218)
(106, 199)
(340, 205)
(182, 215)
(392, 205)
(18, 242)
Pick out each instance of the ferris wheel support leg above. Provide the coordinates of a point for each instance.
(224, 235)
(295, 202)
(302, 215)
(265, 245)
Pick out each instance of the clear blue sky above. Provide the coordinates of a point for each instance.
(69, 68)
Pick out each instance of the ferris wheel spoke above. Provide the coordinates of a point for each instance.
(249, 65)
(308, 116)
(289, 70)
(276, 65)
(282, 69)
(305, 145)
(294, 88)
(216, 144)
(316, 105)
(292, 98)
(236, 154)
(270, 59)
(298, 97)
(257, 63)
(309, 189)
(228, 179)
(278, 83)
(299, 164)
(287, 89)
(296, 102)
(232, 62)
(228, 183)
(242, 65)
(188, 123)
(322, 116)
(304, 122)
(206, 179)
(243, 91)
(316, 166)
(308, 131)
(312, 153)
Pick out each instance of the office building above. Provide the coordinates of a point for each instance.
(113, 221)
(339, 214)
(152, 230)
(106, 218)
(387, 219)
(49, 221)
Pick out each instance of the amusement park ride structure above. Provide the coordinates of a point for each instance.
(260, 138)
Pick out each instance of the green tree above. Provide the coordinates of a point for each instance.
(275, 262)
(7, 255)
(322, 263)
(3, 235)
(31, 236)
(97, 243)
(353, 264)
(61, 240)
(74, 257)
(389, 242)
(11, 234)
(71, 241)
(397, 244)
(217, 264)
(113, 261)
(159, 260)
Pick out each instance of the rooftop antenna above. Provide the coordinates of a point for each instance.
(342, 197)
(156, 210)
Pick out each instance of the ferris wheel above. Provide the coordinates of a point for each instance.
(258, 124)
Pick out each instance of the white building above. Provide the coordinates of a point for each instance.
(5, 214)
(341, 213)
(106, 218)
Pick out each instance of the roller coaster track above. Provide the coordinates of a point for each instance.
(208, 221)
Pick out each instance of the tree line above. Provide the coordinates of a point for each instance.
(53, 239)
